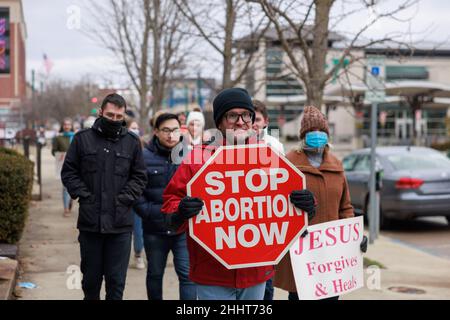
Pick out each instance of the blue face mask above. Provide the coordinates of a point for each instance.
(316, 139)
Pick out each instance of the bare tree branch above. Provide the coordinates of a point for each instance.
(220, 32)
(145, 36)
(310, 43)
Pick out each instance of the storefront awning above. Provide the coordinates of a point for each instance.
(302, 99)
(397, 88)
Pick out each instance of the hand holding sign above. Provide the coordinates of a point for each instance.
(363, 245)
(190, 207)
(304, 200)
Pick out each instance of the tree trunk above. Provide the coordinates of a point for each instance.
(314, 95)
(143, 71)
(319, 52)
(156, 66)
(143, 108)
(228, 45)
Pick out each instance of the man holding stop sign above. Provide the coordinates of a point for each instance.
(238, 206)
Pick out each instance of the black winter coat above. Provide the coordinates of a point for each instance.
(107, 175)
(160, 170)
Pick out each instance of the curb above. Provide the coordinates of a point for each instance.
(8, 278)
(9, 250)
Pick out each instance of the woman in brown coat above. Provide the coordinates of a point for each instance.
(325, 179)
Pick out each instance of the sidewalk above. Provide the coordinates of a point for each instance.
(406, 267)
(49, 246)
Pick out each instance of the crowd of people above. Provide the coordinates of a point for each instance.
(132, 188)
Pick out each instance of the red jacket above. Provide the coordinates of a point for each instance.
(204, 268)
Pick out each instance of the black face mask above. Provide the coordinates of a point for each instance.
(110, 128)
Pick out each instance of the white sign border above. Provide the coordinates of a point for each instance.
(360, 276)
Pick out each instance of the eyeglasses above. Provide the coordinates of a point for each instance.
(168, 131)
(233, 117)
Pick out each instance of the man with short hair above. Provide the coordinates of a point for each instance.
(104, 168)
(260, 126)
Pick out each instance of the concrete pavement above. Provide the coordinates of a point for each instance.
(406, 268)
(429, 234)
(49, 248)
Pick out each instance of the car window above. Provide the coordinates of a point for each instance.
(363, 163)
(349, 161)
(414, 160)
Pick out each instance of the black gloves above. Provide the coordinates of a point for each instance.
(304, 200)
(363, 244)
(190, 207)
(187, 208)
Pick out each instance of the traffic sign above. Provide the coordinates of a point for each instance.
(375, 79)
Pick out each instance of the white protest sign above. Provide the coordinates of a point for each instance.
(328, 261)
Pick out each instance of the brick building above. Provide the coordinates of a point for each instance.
(13, 86)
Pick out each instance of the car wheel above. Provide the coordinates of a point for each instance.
(385, 222)
(448, 219)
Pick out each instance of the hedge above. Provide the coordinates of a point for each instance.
(16, 183)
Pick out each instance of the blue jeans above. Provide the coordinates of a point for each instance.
(225, 293)
(138, 235)
(66, 198)
(157, 247)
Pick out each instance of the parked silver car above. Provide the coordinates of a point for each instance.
(415, 182)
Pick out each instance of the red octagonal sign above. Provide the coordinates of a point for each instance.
(247, 219)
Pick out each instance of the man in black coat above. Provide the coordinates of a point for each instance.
(104, 168)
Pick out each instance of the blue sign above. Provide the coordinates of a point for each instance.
(375, 71)
(375, 92)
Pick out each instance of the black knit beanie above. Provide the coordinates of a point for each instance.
(229, 99)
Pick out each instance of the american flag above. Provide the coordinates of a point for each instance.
(48, 64)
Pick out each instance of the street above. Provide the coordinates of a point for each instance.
(431, 235)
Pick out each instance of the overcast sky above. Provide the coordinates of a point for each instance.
(74, 55)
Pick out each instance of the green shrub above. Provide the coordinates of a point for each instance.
(16, 183)
(11, 152)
